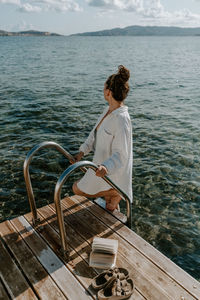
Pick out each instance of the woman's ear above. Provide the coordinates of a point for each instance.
(108, 92)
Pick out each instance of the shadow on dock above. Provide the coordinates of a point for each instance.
(28, 249)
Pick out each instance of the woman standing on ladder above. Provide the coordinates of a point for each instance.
(111, 140)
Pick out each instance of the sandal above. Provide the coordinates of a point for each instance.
(117, 289)
(103, 279)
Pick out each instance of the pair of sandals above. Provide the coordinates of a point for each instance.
(113, 284)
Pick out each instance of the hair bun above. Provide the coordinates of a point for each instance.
(123, 73)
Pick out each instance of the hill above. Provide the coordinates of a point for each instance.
(27, 33)
(145, 31)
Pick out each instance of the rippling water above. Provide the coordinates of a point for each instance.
(51, 88)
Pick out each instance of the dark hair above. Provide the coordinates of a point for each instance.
(118, 83)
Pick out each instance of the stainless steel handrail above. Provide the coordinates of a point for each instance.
(27, 161)
(57, 198)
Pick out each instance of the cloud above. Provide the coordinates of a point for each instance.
(30, 6)
(143, 7)
(131, 5)
(59, 5)
(153, 9)
(149, 11)
(185, 16)
(16, 2)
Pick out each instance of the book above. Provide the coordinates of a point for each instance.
(104, 253)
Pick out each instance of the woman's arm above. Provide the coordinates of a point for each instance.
(88, 145)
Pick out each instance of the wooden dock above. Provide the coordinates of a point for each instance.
(31, 266)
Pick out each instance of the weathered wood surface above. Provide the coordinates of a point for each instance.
(54, 266)
(177, 275)
(31, 267)
(43, 284)
(80, 246)
(161, 261)
(150, 279)
(13, 279)
(3, 293)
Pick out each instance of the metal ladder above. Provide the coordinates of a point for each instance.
(83, 165)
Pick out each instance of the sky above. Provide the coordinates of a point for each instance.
(75, 16)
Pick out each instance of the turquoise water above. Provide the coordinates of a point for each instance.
(51, 88)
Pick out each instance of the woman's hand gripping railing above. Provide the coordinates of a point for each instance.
(27, 162)
(57, 198)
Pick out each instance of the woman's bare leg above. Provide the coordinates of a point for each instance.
(111, 196)
(113, 200)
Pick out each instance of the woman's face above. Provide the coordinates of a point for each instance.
(106, 92)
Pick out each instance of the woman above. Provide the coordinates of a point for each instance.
(111, 140)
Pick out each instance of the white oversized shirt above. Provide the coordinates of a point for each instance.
(112, 145)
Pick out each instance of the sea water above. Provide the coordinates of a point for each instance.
(51, 89)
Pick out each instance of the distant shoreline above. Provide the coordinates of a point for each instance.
(145, 31)
(127, 31)
(28, 33)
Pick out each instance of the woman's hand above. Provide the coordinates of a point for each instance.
(101, 171)
(77, 157)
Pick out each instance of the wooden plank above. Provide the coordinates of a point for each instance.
(76, 262)
(121, 261)
(84, 219)
(43, 284)
(88, 227)
(65, 280)
(165, 264)
(78, 243)
(12, 278)
(3, 293)
(192, 289)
